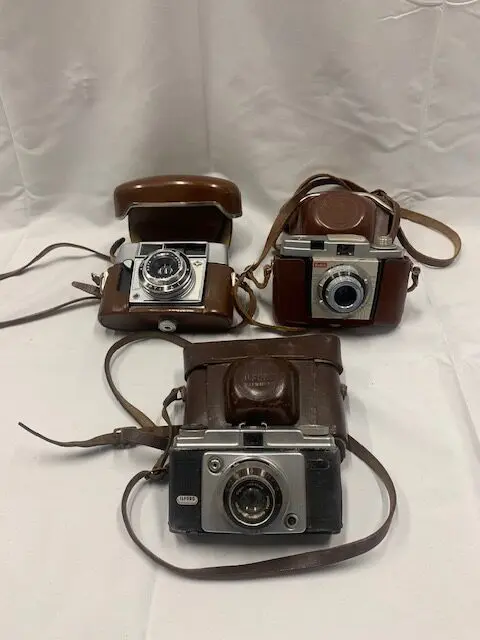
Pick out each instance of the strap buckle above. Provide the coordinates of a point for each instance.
(157, 475)
(121, 439)
(175, 395)
(415, 273)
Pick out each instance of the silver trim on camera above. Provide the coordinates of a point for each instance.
(225, 453)
(174, 279)
(272, 438)
(288, 471)
(183, 287)
(340, 260)
(215, 251)
(328, 247)
(343, 276)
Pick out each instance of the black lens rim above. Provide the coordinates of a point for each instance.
(171, 259)
(349, 287)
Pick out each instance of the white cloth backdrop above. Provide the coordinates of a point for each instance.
(96, 92)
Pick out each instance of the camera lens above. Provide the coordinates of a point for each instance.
(345, 296)
(342, 289)
(163, 266)
(252, 501)
(166, 274)
(252, 497)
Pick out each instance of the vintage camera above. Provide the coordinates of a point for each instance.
(175, 272)
(264, 440)
(337, 265)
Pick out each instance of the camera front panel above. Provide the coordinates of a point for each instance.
(168, 273)
(194, 280)
(253, 493)
(271, 489)
(343, 289)
(168, 277)
(338, 281)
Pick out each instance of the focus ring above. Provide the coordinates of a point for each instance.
(252, 497)
(343, 289)
(166, 274)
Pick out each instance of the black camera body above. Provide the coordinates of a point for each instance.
(255, 480)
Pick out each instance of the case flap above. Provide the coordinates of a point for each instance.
(178, 207)
(338, 211)
(324, 347)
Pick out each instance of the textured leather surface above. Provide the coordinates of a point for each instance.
(307, 374)
(194, 221)
(392, 291)
(162, 437)
(324, 347)
(329, 212)
(335, 212)
(291, 294)
(260, 390)
(216, 313)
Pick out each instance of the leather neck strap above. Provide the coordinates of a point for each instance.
(290, 208)
(93, 291)
(161, 437)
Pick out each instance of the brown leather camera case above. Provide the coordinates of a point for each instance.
(216, 313)
(280, 381)
(291, 294)
(337, 212)
(175, 208)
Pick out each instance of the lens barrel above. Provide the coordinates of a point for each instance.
(166, 274)
(252, 496)
(342, 289)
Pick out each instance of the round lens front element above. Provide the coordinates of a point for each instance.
(345, 296)
(167, 274)
(252, 501)
(163, 266)
(252, 497)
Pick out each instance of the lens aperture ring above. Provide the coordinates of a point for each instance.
(343, 289)
(252, 497)
(166, 274)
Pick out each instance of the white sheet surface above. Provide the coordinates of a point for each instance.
(264, 93)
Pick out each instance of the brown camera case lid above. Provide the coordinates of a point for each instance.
(321, 347)
(316, 400)
(336, 212)
(178, 208)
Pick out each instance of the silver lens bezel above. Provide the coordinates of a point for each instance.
(288, 469)
(337, 277)
(169, 287)
(262, 473)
